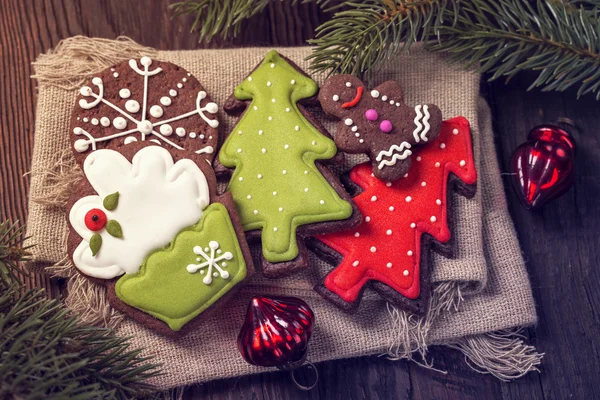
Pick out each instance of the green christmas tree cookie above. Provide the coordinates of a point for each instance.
(276, 185)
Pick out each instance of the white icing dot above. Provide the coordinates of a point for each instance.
(239, 132)
(156, 111)
(306, 172)
(455, 131)
(357, 134)
(180, 85)
(384, 98)
(406, 175)
(116, 74)
(322, 202)
(280, 209)
(356, 234)
(433, 218)
(241, 178)
(391, 208)
(180, 132)
(438, 202)
(273, 100)
(297, 128)
(112, 69)
(361, 141)
(355, 263)
(463, 163)
(95, 121)
(239, 150)
(314, 142)
(419, 158)
(306, 189)
(287, 109)
(374, 198)
(442, 145)
(275, 229)
(183, 79)
(260, 132)
(392, 102)
(367, 219)
(270, 118)
(354, 128)
(287, 146)
(259, 176)
(119, 123)
(348, 121)
(405, 273)
(293, 81)
(249, 197)
(132, 106)
(274, 193)
(388, 184)
(336, 97)
(172, 92)
(165, 101)
(388, 232)
(264, 151)
(348, 84)
(397, 104)
(255, 212)
(272, 65)
(373, 249)
(437, 164)
(268, 83)
(374, 93)
(249, 79)
(389, 265)
(202, 136)
(255, 108)
(85, 119)
(413, 225)
(284, 172)
(129, 139)
(409, 253)
(408, 199)
(104, 121)
(193, 135)
(166, 129)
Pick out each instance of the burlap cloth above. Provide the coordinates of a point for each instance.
(481, 295)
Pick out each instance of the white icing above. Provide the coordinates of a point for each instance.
(348, 84)
(355, 263)
(207, 150)
(104, 121)
(157, 198)
(384, 98)
(408, 199)
(132, 106)
(85, 119)
(396, 152)
(421, 130)
(405, 273)
(193, 135)
(87, 91)
(210, 262)
(166, 130)
(336, 97)
(165, 101)
(442, 145)
(348, 121)
(433, 218)
(180, 132)
(95, 121)
(156, 111)
(124, 93)
(438, 202)
(130, 139)
(120, 123)
(455, 131)
(374, 93)
(409, 253)
(172, 92)
(180, 85)
(462, 163)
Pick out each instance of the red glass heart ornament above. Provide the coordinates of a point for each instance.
(542, 168)
(276, 332)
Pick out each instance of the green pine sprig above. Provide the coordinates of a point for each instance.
(47, 353)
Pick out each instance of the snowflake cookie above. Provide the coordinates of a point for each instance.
(378, 123)
(144, 102)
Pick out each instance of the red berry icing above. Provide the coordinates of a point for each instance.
(95, 219)
(387, 246)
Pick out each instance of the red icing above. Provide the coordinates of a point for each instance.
(347, 279)
(95, 219)
(356, 98)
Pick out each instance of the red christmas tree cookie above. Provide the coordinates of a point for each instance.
(401, 219)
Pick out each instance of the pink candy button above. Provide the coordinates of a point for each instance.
(371, 115)
(385, 126)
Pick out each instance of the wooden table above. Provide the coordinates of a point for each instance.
(560, 243)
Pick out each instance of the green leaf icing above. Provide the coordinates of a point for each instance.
(114, 228)
(165, 288)
(111, 201)
(95, 243)
(276, 184)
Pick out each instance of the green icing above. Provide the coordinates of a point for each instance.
(114, 228)
(95, 243)
(111, 201)
(276, 185)
(164, 288)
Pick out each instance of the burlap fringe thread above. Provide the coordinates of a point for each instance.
(503, 354)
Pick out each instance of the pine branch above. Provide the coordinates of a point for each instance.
(12, 251)
(558, 39)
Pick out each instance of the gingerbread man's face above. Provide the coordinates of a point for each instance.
(378, 123)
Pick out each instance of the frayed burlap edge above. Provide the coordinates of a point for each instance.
(74, 59)
(59, 181)
(503, 354)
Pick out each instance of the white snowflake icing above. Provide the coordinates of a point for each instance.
(142, 125)
(210, 261)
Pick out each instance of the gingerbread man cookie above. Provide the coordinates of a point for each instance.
(378, 123)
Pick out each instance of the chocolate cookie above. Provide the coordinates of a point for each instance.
(378, 123)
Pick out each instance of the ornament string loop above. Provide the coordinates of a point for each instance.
(309, 366)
